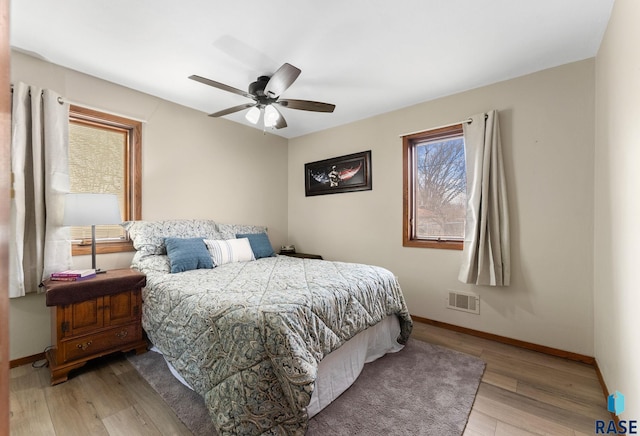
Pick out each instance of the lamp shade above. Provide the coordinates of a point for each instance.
(91, 209)
(270, 116)
(253, 115)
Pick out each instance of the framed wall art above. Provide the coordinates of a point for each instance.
(347, 173)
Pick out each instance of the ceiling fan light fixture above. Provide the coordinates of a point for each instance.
(265, 92)
(270, 116)
(253, 115)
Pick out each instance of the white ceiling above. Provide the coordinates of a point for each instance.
(365, 56)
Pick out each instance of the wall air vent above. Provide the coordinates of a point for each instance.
(466, 302)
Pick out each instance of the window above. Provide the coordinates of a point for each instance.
(434, 188)
(105, 157)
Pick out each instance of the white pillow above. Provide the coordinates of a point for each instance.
(229, 250)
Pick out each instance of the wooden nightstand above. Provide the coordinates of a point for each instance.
(303, 255)
(94, 317)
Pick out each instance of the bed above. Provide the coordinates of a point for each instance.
(266, 340)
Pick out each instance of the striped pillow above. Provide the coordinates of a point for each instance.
(229, 250)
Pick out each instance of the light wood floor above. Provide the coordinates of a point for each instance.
(525, 392)
(522, 393)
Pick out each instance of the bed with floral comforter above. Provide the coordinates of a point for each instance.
(248, 336)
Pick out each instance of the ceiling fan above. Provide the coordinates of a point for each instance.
(265, 93)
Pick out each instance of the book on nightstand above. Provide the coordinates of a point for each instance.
(73, 275)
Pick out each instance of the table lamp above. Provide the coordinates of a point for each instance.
(90, 210)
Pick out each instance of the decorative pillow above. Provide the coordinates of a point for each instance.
(187, 253)
(260, 244)
(148, 236)
(229, 250)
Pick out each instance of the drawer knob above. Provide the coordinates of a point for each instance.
(122, 334)
(84, 346)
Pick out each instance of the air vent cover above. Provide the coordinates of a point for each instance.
(465, 302)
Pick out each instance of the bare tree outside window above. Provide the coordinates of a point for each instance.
(435, 188)
(440, 189)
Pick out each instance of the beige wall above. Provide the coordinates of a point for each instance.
(193, 166)
(548, 141)
(617, 205)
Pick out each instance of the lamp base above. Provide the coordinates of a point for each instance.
(101, 271)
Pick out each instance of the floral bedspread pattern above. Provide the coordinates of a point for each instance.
(248, 336)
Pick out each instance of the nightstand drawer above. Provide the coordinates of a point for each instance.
(91, 344)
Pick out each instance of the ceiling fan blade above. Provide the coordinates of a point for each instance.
(281, 122)
(232, 110)
(220, 86)
(281, 80)
(307, 105)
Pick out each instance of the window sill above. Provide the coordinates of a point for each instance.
(445, 245)
(102, 248)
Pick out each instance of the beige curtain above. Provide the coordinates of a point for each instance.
(40, 171)
(486, 254)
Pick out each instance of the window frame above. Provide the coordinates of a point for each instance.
(133, 173)
(409, 143)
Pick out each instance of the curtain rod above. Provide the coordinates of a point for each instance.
(60, 100)
(467, 121)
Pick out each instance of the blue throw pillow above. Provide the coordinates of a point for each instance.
(187, 253)
(260, 244)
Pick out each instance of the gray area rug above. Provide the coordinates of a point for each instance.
(424, 389)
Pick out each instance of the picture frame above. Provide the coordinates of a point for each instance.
(348, 173)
